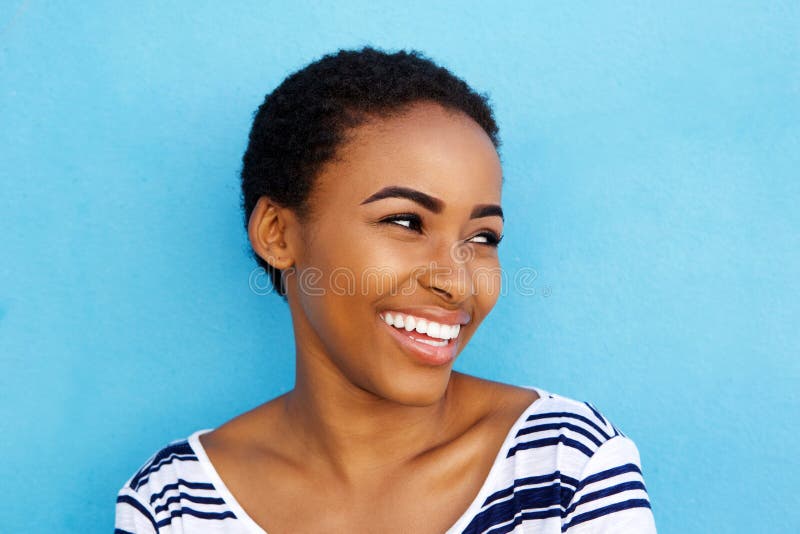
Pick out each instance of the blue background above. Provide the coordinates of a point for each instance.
(651, 154)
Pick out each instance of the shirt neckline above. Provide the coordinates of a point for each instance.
(472, 509)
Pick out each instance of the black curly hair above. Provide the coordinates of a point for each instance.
(304, 120)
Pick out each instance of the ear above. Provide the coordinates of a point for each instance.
(267, 230)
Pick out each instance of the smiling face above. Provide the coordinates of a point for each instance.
(404, 229)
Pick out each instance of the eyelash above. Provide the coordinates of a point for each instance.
(492, 239)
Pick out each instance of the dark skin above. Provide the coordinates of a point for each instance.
(374, 438)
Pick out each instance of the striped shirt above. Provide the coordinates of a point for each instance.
(563, 467)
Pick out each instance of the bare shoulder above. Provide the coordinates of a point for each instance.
(235, 441)
(497, 400)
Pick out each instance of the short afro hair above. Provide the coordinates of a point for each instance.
(300, 125)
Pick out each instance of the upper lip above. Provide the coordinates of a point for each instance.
(433, 313)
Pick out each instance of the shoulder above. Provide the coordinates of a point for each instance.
(569, 417)
(171, 484)
(577, 429)
(549, 429)
(597, 465)
(544, 411)
(564, 466)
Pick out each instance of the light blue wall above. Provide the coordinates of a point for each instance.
(651, 155)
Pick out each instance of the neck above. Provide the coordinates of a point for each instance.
(354, 433)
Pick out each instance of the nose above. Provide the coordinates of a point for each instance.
(448, 273)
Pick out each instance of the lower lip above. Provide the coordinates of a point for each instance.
(427, 354)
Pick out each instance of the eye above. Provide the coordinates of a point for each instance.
(488, 238)
(412, 221)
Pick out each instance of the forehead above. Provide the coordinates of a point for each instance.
(429, 148)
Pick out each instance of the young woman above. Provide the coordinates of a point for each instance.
(372, 197)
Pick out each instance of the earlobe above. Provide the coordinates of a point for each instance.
(266, 229)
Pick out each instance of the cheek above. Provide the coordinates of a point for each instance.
(358, 273)
(345, 269)
(365, 268)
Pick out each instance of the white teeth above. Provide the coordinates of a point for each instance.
(445, 332)
(423, 326)
(434, 343)
(434, 329)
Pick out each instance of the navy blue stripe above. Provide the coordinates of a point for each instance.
(146, 476)
(180, 482)
(569, 415)
(180, 448)
(548, 442)
(610, 509)
(539, 499)
(187, 497)
(557, 426)
(195, 513)
(125, 499)
(525, 516)
(608, 473)
(542, 503)
(605, 492)
(556, 476)
(596, 413)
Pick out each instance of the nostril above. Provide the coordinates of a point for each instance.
(442, 291)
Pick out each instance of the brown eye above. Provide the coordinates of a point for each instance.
(411, 221)
(488, 238)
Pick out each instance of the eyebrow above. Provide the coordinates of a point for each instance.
(430, 203)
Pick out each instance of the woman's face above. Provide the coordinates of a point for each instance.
(404, 223)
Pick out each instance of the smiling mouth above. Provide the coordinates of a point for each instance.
(430, 342)
(421, 329)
